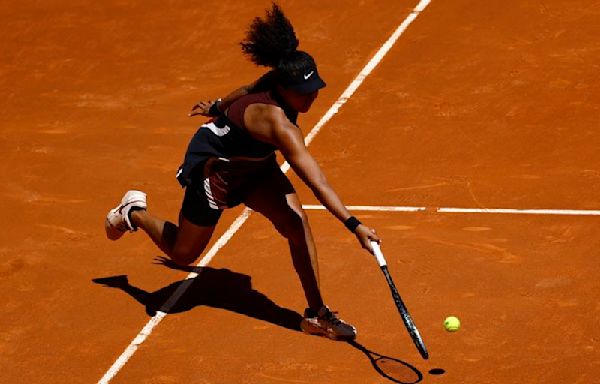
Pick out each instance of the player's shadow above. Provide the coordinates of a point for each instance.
(218, 288)
(232, 291)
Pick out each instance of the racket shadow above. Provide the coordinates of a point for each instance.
(217, 288)
(395, 370)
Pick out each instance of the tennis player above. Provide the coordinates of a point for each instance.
(231, 160)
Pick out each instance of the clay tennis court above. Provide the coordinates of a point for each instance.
(483, 105)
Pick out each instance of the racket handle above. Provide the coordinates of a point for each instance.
(378, 254)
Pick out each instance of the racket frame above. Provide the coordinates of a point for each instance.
(404, 314)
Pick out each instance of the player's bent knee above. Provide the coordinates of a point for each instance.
(294, 230)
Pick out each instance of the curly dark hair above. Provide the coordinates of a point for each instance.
(272, 42)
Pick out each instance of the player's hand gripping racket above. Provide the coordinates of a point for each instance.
(408, 322)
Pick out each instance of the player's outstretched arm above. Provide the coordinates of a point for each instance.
(270, 124)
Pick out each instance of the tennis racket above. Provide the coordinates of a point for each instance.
(408, 322)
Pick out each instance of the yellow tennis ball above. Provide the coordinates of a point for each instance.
(452, 324)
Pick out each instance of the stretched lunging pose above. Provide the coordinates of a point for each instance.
(231, 160)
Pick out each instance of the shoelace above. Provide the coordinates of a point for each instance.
(331, 317)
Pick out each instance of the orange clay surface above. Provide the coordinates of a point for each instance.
(479, 104)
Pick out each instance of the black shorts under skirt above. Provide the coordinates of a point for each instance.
(222, 183)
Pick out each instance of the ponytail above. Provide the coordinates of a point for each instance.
(270, 41)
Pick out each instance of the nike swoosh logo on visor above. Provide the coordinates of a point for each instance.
(308, 75)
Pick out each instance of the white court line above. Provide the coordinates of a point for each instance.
(369, 208)
(565, 212)
(387, 208)
(156, 319)
(363, 74)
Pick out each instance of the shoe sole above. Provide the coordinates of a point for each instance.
(315, 331)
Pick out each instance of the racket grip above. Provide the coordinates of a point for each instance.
(378, 254)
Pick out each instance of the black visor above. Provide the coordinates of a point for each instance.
(305, 82)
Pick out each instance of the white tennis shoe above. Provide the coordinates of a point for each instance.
(118, 220)
(325, 322)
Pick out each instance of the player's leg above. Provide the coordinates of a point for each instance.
(182, 243)
(275, 198)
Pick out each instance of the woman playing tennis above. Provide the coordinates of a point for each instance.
(231, 160)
